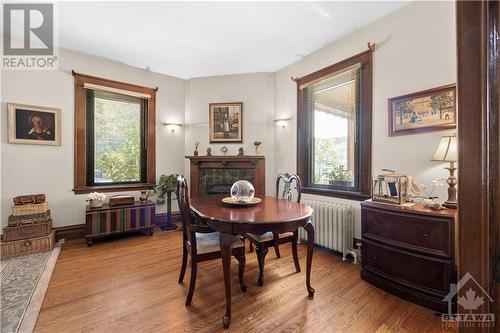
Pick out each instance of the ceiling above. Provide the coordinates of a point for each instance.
(196, 39)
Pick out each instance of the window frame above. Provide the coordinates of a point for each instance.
(305, 130)
(80, 155)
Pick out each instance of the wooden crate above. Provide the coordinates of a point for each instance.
(30, 209)
(25, 231)
(28, 246)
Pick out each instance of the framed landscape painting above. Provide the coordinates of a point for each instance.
(36, 125)
(424, 111)
(226, 122)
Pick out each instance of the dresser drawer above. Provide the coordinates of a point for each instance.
(426, 274)
(417, 233)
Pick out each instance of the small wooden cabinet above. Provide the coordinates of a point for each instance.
(109, 220)
(409, 251)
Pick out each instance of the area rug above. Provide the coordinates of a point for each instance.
(24, 281)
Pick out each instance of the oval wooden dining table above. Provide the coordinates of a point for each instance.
(271, 214)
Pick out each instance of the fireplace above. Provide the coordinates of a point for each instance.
(215, 174)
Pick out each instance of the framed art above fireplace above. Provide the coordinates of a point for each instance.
(226, 122)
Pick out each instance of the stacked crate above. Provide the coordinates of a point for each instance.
(29, 228)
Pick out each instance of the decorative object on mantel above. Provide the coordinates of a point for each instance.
(424, 111)
(121, 200)
(224, 150)
(226, 122)
(173, 126)
(209, 151)
(282, 122)
(241, 152)
(96, 199)
(394, 188)
(447, 152)
(36, 125)
(256, 147)
(196, 145)
(165, 187)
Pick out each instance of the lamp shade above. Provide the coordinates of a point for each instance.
(447, 150)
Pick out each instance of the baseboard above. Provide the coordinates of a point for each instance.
(76, 231)
(70, 231)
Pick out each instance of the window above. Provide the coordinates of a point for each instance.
(114, 134)
(334, 132)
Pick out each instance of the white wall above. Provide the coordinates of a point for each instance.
(47, 169)
(256, 91)
(415, 50)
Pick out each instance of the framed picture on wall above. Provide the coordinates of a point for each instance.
(226, 122)
(424, 111)
(35, 125)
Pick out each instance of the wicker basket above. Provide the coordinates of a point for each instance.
(25, 231)
(29, 219)
(30, 209)
(28, 246)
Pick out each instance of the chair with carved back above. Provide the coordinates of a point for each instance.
(268, 239)
(200, 241)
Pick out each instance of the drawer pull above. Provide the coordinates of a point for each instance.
(374, 258)
(426, 235)
(28, 243)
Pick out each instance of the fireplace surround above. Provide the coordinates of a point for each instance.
(215, 174)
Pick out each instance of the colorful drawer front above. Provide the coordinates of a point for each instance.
(118, 220)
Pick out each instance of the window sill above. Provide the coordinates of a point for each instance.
(113, 188)
(336, 193)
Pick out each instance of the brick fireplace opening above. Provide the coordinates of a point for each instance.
(211, 175)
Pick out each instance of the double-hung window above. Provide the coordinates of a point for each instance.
(334, 129)
(115, 134)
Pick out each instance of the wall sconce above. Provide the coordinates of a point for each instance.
(282, 122)
(173, 126)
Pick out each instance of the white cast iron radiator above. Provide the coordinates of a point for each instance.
(333, 225)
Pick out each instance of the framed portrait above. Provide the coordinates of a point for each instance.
(35, 125)
(226, 122)
(424, 111)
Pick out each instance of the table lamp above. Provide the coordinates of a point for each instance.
(447, 152)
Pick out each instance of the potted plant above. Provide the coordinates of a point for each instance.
(256, 147)
(163, 191)
(339, 176)
(96, 199)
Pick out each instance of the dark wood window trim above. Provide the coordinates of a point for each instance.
(365, 135)
(80, 176)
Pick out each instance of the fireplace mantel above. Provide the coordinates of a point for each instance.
(213, 174)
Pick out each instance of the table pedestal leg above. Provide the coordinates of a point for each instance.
(226, 247)
(310, 248)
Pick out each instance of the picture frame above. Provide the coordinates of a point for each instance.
(34, 125)
(226, 122)
(424, 111)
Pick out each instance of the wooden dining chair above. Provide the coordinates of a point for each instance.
(268, 239)
(200, 241)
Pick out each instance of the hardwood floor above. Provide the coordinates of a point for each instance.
(130, 285)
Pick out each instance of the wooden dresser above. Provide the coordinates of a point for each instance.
(409, 252)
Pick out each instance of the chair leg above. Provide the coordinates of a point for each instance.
(294, 251)
(241, 271)
(184, 263)
(277, 244)
(261, 252)
(192, 283)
